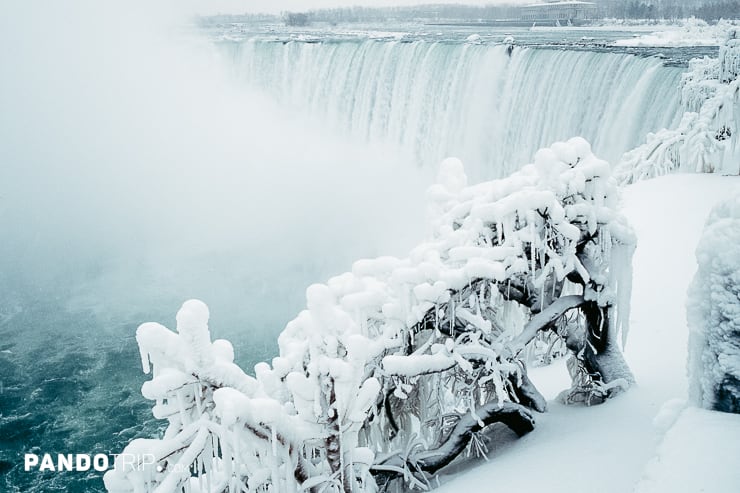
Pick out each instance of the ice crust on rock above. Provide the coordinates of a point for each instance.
(714, 312)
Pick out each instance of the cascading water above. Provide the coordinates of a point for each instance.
(476, 102)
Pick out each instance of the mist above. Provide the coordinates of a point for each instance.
(135, 174)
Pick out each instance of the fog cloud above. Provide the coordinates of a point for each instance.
(132, 168)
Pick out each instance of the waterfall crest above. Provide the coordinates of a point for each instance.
(475, 102)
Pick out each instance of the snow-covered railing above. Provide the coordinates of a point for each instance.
(707, 140)
(396, 368)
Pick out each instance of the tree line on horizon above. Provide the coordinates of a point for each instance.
(710, 11)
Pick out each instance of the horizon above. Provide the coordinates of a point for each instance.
(226, 7)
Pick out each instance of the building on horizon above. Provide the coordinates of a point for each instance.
(569, 11)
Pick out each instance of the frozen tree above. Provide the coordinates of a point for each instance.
(398, 367)
(714, 312)
(707, 140)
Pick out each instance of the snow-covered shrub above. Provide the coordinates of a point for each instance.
(714, 312)
(707, 140)
(395, 368)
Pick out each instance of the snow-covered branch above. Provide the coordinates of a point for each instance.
(518, 418)
(545, 319)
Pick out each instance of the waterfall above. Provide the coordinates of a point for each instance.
(475, 102)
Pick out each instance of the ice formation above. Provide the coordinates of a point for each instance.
(395, 367)
(714, 312)
(708, 138)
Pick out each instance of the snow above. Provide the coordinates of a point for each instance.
(572, 448)
(699, 453)
(417, 364)
(693, 32)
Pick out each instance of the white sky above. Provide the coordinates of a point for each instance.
(275, 6)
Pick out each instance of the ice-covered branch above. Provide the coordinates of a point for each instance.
(545, 319)
(518, 418)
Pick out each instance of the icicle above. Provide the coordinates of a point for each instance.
(552, 292)
(452, 317)
(198, 398)
(226, 457)
(144, 359)
(273, 439)
(184, 416)
(542, 296)
(341, 453)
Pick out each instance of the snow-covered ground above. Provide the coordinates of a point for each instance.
(699, 453)
(692, 32)
(645, 437)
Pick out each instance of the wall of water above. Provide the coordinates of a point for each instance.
(476, 102)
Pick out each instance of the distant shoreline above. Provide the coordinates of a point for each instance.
(505, 22)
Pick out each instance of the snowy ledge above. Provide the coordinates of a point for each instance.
(693, 32)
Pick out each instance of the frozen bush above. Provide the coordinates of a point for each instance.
(396, 368)
(714, 312)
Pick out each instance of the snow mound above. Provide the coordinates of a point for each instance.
(699, 453)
